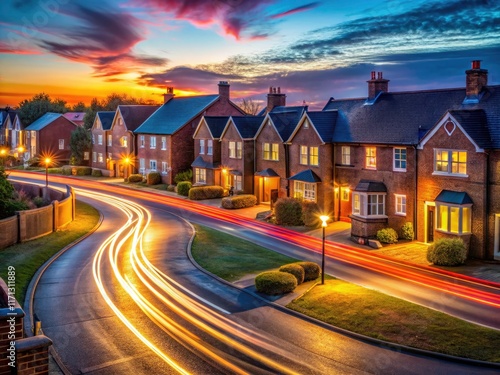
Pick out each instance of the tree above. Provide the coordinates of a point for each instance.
(250, 106)
(79, 107)
(6, 192)
(80, 142)
(34, 108)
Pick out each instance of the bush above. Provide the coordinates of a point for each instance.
(387, 235)
(135, 178)
(288, 211)
(96, 173)
(153, 178)
(407, 231)
(183, 188)
(206, 192)
(275, 282)
(447, 252)
(83, 171)
(171, 188)
(296, 270)
(66, 170)
(311, 270)
(55, 170)
(239, 201)
(310, 214)
(184, 176)
(41, 202)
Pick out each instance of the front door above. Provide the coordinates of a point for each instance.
(430, 223)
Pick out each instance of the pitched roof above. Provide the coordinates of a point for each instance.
(453, 197)
(135, 115)
(200, 163)
(106, 118)
(247, 126)
(174, 114)
(216, 125)
(307, 176)
(474, 122)
(285, 119)
(45, 120)
(324, 122)
(75, 116)
(269, 172)
(371, 186)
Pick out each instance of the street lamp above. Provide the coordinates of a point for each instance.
(47, 161)
(3, 152)
(126, 161)
(324, 219)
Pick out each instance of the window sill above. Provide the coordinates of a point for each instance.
(444, 174)
(452, 233)
(400, 214)
(399, 170)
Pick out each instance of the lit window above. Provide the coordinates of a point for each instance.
(368, 204)
(453, 218)
(152, 142)
(313, 156)
(200, 176)
(110, 156)
(152, 165)
(99, 139)
(356, 206)
(237, 182)
(274, 152)
(232, 150)
(346, 155)
(202, 146)
(86, 155)
(270, 151)
(163, 143)
(124, 141)
(99, 157)
(141, 141)
(400, 204)
(303, 155)
(450, 162)
(345, 194)
(371, 158)
(400, 159)
(304, 190)
(239, 150)
(210, 147)
(110, 140)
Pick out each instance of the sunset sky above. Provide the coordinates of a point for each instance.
(79, 49)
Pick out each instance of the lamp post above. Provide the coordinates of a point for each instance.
(3, 152)
(47, 161)
(324, 219)
(125, 173)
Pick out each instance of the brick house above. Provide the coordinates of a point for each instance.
(7, 119)
(237, 152)
(165, 140)
(101, 140)
(76, 117)
(120, 149)
(50, 135)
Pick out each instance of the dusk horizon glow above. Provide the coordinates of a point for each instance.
(312, 50)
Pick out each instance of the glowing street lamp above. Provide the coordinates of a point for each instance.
(126, 160)
(3, 153)
(47, 162)
(324, 219)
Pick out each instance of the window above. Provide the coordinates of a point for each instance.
(400, 204)
(110, 140)
(61, 144)
(400, 159)
(239, 150)
(235, 150)
(237, 183)
(450, 162)
(164, 167)
(345, 194)
(202, 146)
(124, 141)
(152, 142)
(313, 156)
(163, 143)
(210, 147)
(94, 156)
(368, 204)
(142, 165)
(200, 176)
(274, 152)
(453, 218)
(86, 155)
(99, 157)
(93, 139)
(99, 139)
(110, 156)
(371, 158)
(141, 141)
(271, 151)
(303, 155)
(304, 190)
(152, 165)
(346, 155)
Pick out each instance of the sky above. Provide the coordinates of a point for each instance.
(313, 50)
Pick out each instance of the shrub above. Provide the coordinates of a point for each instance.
(310, 212)
(239, 201)
(184, 176)
(296, 270)
(288, 211)
(275, 282)
(171, 188)
(447, 252)
(311, 270)
(41, 202)
(83, 171)
(135, 178)
(66, 170)
(55, 170)
(387, 235)
(183, 188)
(96, 173)
(153, 178)
(407, 231)
(206, 192)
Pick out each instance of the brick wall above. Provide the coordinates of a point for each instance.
(48, 138)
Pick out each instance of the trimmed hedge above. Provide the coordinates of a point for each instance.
(310, 214)
(296, 270)
(407, 231)
(183, 188)
(288, 211)
(387, 235)
(206, 192)
(135, 178)
(82, 171)
(239, 201)
(311, 270)
(275, 282)
(447, 252)
(153, 178)
(96, 173)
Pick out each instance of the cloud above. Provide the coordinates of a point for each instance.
(295, 10)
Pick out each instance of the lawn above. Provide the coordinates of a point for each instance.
(27, 257)
(349, 306)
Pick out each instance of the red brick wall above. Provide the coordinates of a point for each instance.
(97, 148)
(494, 201)
(48, 139)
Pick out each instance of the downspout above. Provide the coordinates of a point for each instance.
(334, 169)
(287, 168)
(415, 195)
(486, 209)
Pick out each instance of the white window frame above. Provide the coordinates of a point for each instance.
(94, 156)
(200, 175)
(202, 147)
(99, 139)
(452, 211)
(142, 141)
(110, 140)
(163, 143)
(346, 155)
(237, 182)
(99, 157)
(303, 159)
(362, 207)
(305, 190)
(164, 167)
(142, 165)
(370, 157)
(152, 142)
(275, 151)
(61, 144)
(152, 165)
(239, 150)
(439, 154)
(400, 204)
(398, 159)
(210, 147)
(314, 156)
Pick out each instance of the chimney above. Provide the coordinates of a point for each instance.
(224, 90)
(275, 98)
(376, 85)
(476, 79)
(169, 95)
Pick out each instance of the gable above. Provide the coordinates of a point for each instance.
(202, 131)
(305, 133)
(230, 133)
(267, 132)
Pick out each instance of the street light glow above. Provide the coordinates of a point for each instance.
(324, 219)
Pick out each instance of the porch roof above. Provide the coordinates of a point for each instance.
(371, 186)
(200, 163)
(453, 197)
(267, 173)
(306, 176)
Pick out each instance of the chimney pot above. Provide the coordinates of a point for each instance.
(373, 74)
(476, 64)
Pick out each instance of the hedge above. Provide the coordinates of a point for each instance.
(295, 270)
(96, 173)
(183, 188)
(82, 171)
(288, 211)
(310, 214)
(135, 178)
(239, 201)
(387, 235)
(153, 178)
(206, 192)
(275, 282)
(311, 270)
(447, 252)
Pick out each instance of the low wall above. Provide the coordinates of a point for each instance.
(30, 224)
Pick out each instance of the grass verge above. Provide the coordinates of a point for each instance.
(349, 306)
(27, 257)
